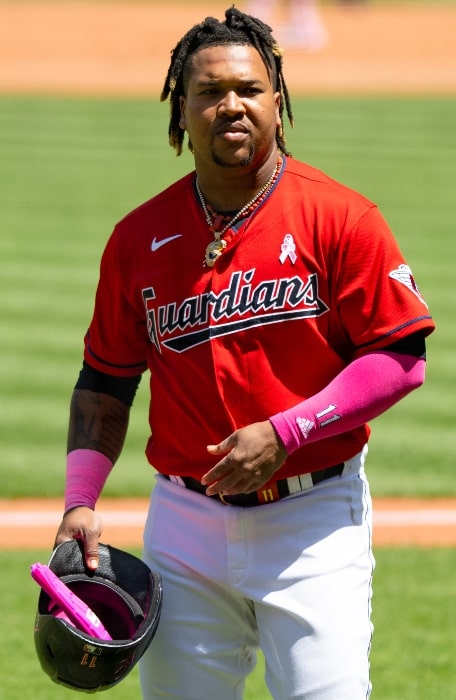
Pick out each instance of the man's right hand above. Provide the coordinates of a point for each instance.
(82, 523)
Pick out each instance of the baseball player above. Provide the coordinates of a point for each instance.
(276, 315)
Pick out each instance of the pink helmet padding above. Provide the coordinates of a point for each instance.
(118, 612)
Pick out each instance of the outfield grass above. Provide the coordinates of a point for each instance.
(412, 655)
(70, 168)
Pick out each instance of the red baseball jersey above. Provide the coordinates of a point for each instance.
(313, 279)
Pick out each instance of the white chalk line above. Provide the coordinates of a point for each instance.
(124, 518)
(135, 518)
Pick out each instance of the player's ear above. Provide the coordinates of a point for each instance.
(277, 101)
(182, 122)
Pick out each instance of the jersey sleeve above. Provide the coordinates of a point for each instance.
(377, 297)
(116, 342)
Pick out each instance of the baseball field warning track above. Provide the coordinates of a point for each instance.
(33, 523)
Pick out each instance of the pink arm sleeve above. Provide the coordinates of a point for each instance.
(86, 474)
(362, 391)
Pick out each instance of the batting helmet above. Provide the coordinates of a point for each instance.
(125, 595)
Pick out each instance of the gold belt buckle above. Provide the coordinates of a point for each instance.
(220, 495)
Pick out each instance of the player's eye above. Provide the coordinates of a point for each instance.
(208, 89)
(251, 91)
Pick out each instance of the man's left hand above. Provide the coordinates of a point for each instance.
(250, 457)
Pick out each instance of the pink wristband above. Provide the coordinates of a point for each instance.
(86, 474)
(362, 391)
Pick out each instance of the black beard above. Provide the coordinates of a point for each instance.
(240, 164)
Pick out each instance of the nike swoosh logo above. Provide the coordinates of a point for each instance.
(155, 245)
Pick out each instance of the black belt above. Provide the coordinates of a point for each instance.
(273, 492)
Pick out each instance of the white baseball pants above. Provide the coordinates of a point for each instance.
(291, 577)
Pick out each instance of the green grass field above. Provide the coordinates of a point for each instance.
(69, 169)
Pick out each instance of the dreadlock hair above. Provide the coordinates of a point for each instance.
(238, 28)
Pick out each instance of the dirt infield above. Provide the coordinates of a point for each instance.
(122, 48)
(398, 522)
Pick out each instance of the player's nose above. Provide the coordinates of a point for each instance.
(231, 103)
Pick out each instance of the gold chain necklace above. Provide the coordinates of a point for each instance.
(216, 247)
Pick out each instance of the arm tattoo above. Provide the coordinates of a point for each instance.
(97, 422)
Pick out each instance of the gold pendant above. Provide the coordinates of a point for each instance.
(213, 252)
